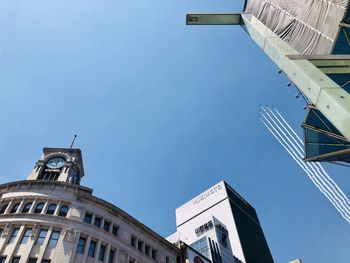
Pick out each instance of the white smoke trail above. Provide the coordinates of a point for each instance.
(317, 165)
(324, 183)
(300, 163)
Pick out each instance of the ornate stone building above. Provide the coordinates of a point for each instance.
(50, 217)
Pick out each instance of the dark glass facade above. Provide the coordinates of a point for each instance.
(251, 235)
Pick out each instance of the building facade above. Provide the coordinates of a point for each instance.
(222, 226)
(50, 217)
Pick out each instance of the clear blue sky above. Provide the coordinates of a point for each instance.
(162, 112)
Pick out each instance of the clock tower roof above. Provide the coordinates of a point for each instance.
(59, 164)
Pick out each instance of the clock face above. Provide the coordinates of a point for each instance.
(56, 163)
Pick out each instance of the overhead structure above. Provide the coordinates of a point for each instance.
(310, 42)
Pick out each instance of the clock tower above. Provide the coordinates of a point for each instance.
(59, 164)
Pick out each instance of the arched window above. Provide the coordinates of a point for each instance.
(39, 207)
(3, 208)
(15, 208)
(51, 209)
(27, 207)
(63, 211)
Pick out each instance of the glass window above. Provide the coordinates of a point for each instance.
(54, 238)
(51, 209)
(27, 207)
(81, 245)
(97, 221)
(140, 245)
(154, 253)
(32, 260)
(46, 261)
(115, 230)
(202, 246)
(63, 211)
(147, 250)
(133, 241)
(13, 235)
(39, 207)
(26, 235)
(101, 254)
(15, 208)
(41, 237)
(106, 225)
(2, 259)
(92, 248)
(3, 208)
(88, 218)
(111, 256)
(16, 259)
(167, 260)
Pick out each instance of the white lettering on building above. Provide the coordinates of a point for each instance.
(207, 194)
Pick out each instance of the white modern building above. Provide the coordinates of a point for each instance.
(222, 226)
(49, 217)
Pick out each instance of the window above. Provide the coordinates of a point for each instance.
(147, 250)
(2, 259)
(133, 241)
(41, 237)
(15, 259)
(13, 235)
(106, 225)
(63, 211)
(111, 256)
(88, 218)
(46, 261)
(39, 207)
(51, 209)
(32, 260)
(54, 238)
(81, 245)
(101, 254)
(167, 260)
(140, 245)
(27, 207)
(15, 208)
(92, 248)
(154, 253)
(26, 235)
(97, 221)
(131, 260)
(3, 208)
(115, 230)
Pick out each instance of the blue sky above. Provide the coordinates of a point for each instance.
(162, 111)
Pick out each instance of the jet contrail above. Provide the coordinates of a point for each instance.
(326, 181)
(299, 162)
(340, 201)
(292, 143)
(315, 180)
(317, 165)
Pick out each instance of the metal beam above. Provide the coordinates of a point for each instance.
(213, 19)
(327, 96)
(329, 64)
(342, 24)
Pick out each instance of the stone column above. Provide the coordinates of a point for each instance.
(87, 245)
(31, 210)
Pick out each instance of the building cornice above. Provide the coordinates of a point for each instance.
(4, 188)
